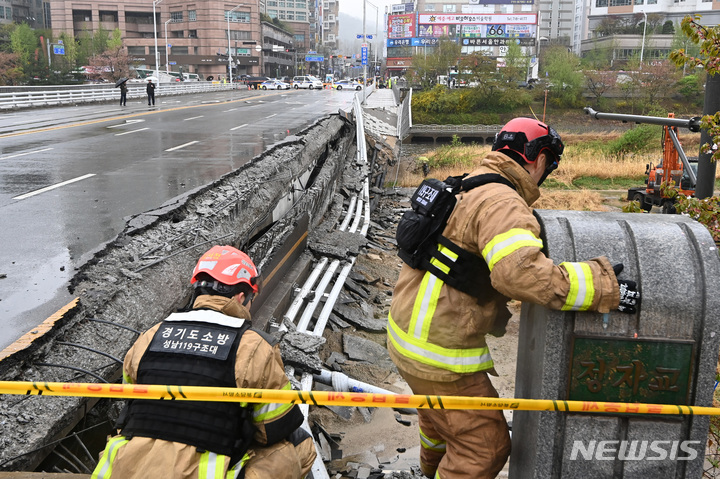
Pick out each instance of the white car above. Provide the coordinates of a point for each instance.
(309, 82)
(347, 85)
(274, 85)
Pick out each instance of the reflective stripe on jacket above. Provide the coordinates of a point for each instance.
(436, 332)
(258, 365)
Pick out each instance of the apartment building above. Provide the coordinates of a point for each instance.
(635, 13)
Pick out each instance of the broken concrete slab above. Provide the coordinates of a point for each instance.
(361, 319)
(361, 349)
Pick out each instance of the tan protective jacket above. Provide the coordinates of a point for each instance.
(258, 365)
(436, 332)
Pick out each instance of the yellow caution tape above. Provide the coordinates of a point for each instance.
(334, 398)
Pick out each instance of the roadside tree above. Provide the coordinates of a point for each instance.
(10, 71)
(565, 76)
(599, 82)
(516, 64)
(428, 66)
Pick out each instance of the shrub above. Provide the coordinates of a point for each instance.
(637, 140)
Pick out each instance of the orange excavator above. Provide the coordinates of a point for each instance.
(674, 167)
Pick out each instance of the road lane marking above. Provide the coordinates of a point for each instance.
(238, 127)
(194, 118)
(231, 109)
(131, 131)
(118, 118)
(270, 116)
(25, 154)
(182, 146)
(127, 122)
(52, 187)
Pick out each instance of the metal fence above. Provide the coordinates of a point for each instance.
(38, 96)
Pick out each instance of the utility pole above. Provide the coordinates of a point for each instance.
(364, 66)
(706, 167)
(157, 63)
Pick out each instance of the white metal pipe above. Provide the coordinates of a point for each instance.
(318, 468)
(332, 297)
(319, 293)
(358, 217)
(306, 288)
(366, 223)
(342, 382)
(349, 214)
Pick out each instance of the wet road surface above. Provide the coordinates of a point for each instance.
(71, 176)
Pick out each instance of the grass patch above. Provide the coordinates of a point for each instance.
(595, 183)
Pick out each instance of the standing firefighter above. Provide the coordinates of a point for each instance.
(210, 345)
(456, 292)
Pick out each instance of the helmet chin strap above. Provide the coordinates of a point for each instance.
(548, 169)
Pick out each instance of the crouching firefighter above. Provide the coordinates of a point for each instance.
(211, 344)
(470, 244)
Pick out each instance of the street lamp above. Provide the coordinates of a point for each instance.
(167, 59)
(157, 64)
(642, 48)
(230, 77)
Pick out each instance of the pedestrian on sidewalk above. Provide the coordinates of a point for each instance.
(488, 252)
(150, 92)
(123, 94)
(211, 344)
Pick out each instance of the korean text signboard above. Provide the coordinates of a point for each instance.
(631, 370)
(401, 26)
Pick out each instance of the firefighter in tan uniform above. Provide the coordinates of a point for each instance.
(436, 333)
(210, 345)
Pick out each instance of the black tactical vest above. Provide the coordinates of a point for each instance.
(191, 353)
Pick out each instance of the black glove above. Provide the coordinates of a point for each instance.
(629, 293)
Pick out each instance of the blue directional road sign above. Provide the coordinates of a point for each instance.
(316, 58)
(59, 49)
(364, 55)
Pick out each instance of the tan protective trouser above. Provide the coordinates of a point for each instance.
(281, 461)
(461, 444)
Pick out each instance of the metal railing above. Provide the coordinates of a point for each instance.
(450, 128)
(36, 96)
(404, 118)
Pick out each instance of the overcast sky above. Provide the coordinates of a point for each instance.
(351, 13)
(355, 9)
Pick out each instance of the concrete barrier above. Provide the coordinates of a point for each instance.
(665, 354)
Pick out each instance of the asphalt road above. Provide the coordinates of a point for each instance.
(70, 177)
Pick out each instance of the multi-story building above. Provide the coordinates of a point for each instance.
(419, 25)
(199, 35)
(626, 15)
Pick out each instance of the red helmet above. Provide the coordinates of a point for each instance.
(528, 138)
(228, 266)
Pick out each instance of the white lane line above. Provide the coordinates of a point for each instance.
(48, 188)
(231, 109)
(270, 116)
(194, 118)
(131, 131)
(238, 127)
(24, 154)
(182, 146)
(127, 122)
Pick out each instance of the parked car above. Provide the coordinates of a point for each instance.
(347, 85)
(307, 81)
(274, 85)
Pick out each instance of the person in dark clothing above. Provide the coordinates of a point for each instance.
(151, 92)
(123, 94)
